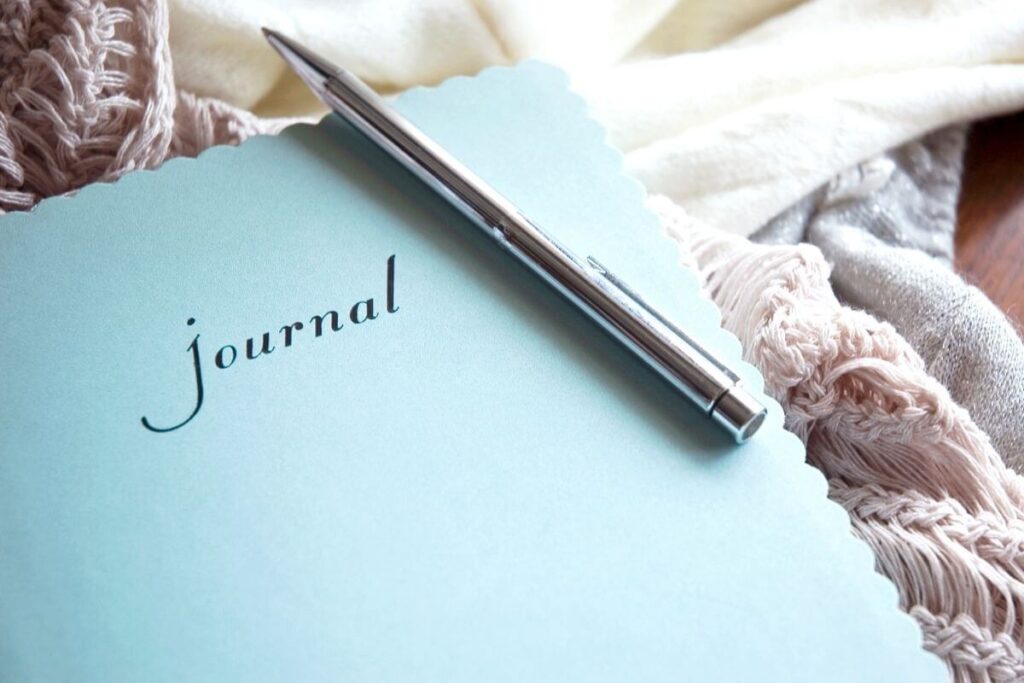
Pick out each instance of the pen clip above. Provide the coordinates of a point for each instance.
(626, 290)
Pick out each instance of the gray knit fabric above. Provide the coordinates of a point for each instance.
(886, 227)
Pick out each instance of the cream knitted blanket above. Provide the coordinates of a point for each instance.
(88, 94)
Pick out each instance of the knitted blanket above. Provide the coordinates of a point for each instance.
(88, 94)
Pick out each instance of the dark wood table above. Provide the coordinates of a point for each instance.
(990, 227)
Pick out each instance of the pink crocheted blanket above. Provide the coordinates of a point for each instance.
(87, 95)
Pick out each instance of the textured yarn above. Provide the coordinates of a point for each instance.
(87, 95)
(886, 227)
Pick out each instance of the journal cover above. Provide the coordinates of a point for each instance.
(280, 414)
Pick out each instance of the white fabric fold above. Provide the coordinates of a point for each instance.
(733, 110)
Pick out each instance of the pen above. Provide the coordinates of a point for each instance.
(692, 370)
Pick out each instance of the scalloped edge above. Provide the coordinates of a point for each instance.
(806, 476)
(810, 482)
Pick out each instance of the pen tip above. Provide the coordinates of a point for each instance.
(311, 67)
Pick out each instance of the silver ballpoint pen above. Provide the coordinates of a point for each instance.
(693, 371)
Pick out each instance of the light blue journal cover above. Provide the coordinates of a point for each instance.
(454, 477)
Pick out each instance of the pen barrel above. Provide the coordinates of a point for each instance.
(661, 345)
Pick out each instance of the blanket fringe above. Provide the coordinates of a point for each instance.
(921, 483)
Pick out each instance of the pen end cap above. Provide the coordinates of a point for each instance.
(740, 413)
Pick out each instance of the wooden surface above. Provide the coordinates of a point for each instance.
(990, 227)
